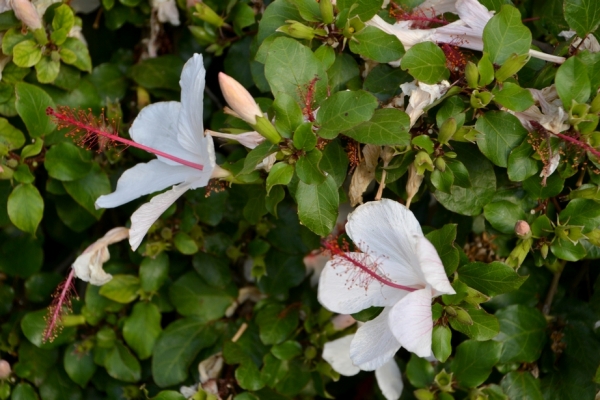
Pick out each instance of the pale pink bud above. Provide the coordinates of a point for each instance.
(26, 12)
(239, 99)
(4, 369)
(522, 229)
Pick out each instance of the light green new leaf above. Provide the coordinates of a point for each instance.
(485, 326)
(500, 132)
(583, 16)
(318, 205)
(25, 207)
(47, 69)
(426, 62)
(27, 53)
(375, 44)
(513, 97)
(121, 288)
(75, 52)
(343, 111)
(505, 34)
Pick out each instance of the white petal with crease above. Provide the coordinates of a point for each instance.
(373, 343)
(389, 380)
(144, 179)
(432, 267)
(337, 354)
(339, 293)
(411, 323)
(143, 218)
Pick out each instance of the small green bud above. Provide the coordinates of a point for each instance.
(517, 256)
(576, 234)
(166, 233)
(4, 390)
(440, 164)
(578, 112)
(444, 381)
(480, 99)
(450, 154)
(472, 75)
(447, 130)
(326, 11)
(465, 134)
(588, 124)
(544, 250)
(486, 70)
(423, 394)
(310, 353)
(451, 311)
(463, 317)
(202, 35)
(297, 30)
(594, 237)
(6, 173)
(105, 338)
(595, 105)
(12, 163)
(423, 162)
(205, 13)
(511, 66)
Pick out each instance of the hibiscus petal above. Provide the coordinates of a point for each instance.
(374, 344)
(386, 230)
(432, 267)
(156, 127)
(144, 179)
(337, 354)
(345, 289)
(190, 123)
(389, 380)
(143, 218)
(411, 324)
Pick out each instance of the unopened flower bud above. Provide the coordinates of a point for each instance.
(203, 36)
(298, 30)
(4, 369)
(463, 317)
(522, 229)
(239, 99)
(444, 381)
(517, 256)
(595, 105)
(594, 237)
(440, 164)
(326, 11)
(205, 13)
(26, 12)
(451, 311)
(423, 162)
(480, 99)
(423, 394)
(472, 75)
(413, 184)
(511, 66)
(544, 251)
(447, 130)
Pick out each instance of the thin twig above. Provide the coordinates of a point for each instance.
(552, 290)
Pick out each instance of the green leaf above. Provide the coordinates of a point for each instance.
(276, 323)
(21, 256)
(177, 347)
(377, 45)
(121, 288)
(58, 386)
(344, 110)
(442, 180)
(122, 365)
(304, 137)
(583, 16)
(505, 34)
(24, 391)
(280, 174)
(387, 127)
(521, 385)
(364, 9)
(12, 37)
(142, 328)
(67, 162)
(520, 164)
(10, 136)
(27, 53)
(461, 175)
(384, 81)
(513, 97)
(441, 346)
(47, 70)
(522, 333)
(33, 326)
(573, 82)
(343, 71)
(257, 155)
(474, 361)
(191, 296)
(109, 81)
(554, 186)
(581, 212)
(25, 207)
(419, 371)
(485, 326)
(287, 350)
(288, 114)
(154, 272)
(443, 241)
(158, 73)
(326, 55)
(335, 162)
(169, 395)
(500, 132)
(426, 62)
(567, 250)
(31, 105)
(318, 205)
(79, 363)
(75, 52)
(63, 18)
(490, 279)
(290, 68)
(307, 168)
(470, 200)
(185, 244)
(503, 215)
(86, 190)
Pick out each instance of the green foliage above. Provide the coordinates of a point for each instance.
(500, 169)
